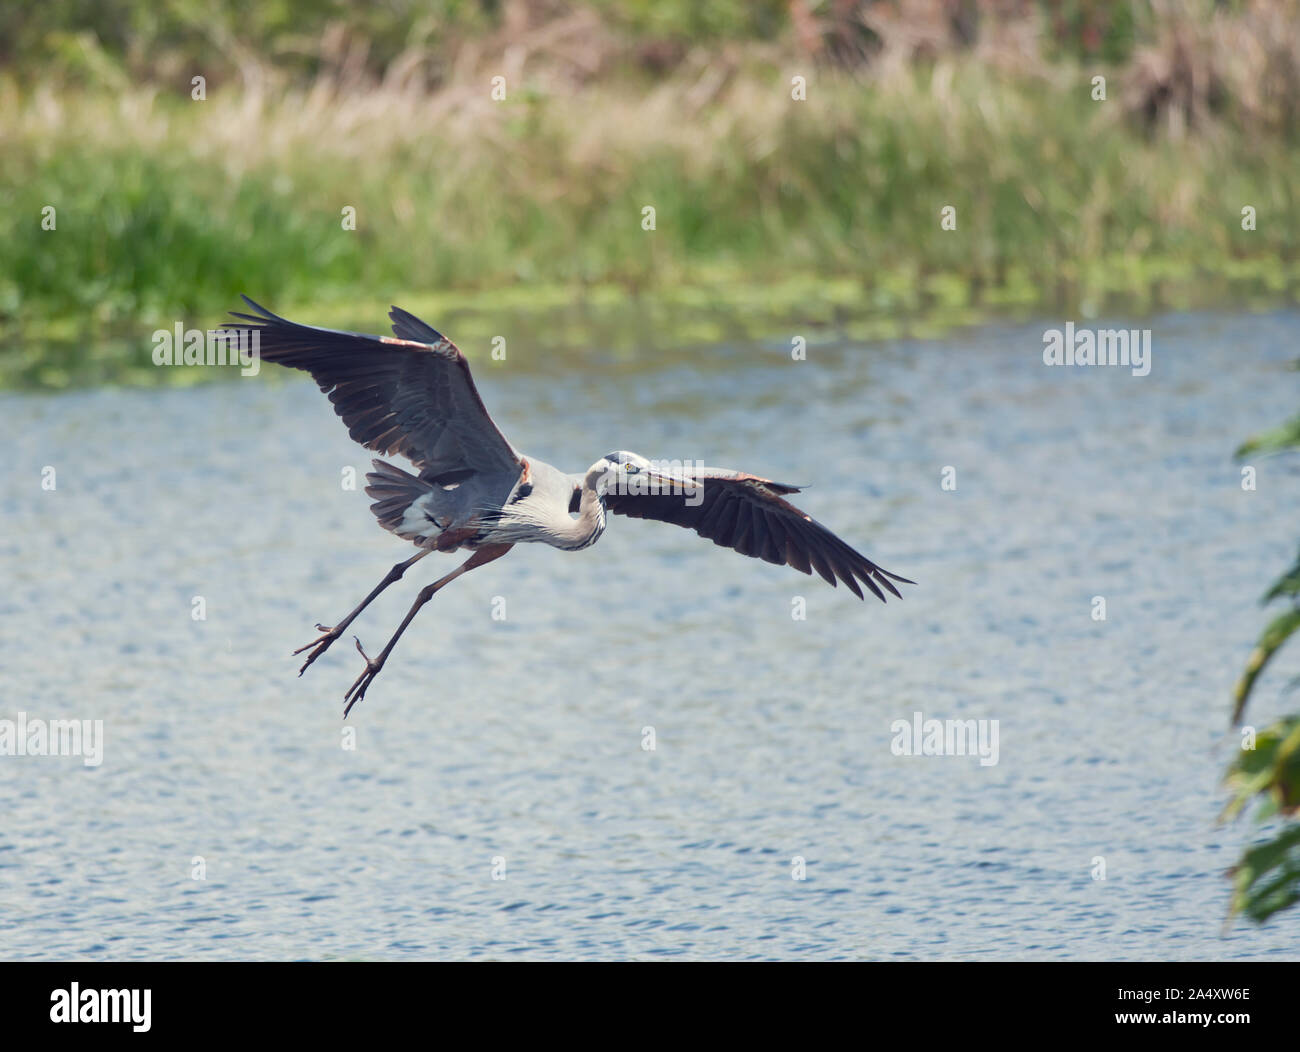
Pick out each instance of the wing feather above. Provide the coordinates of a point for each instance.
(412, 395)
(749, 514)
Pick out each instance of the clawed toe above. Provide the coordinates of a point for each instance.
(317, 646)
(358, 689)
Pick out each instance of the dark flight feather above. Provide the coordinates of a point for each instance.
(412, 395)
(749, 514)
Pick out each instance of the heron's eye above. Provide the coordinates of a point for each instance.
(632, 469)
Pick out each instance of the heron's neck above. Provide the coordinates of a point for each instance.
(586, 529)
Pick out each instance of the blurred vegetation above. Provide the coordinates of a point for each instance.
(1267, 879)
(772, 215)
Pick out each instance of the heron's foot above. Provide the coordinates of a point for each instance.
(358, 689)
(320, 645)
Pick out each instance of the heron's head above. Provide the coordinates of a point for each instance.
(625, 472)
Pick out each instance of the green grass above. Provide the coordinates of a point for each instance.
(772, 216)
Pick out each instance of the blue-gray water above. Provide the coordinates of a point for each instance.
(521, 739)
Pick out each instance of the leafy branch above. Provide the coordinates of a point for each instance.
(1266, 771)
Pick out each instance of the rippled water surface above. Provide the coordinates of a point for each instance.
(517, 743)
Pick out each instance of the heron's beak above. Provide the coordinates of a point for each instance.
(667, 482)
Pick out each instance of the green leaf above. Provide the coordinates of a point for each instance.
(1277, 633)
(1271, 770)
(1267, 879)
(1275, 441)
(1287, 584)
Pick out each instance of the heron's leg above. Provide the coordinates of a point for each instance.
(358, 689)
(323, 643)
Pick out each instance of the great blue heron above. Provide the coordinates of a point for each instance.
(414, 396)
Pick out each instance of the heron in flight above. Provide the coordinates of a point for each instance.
(412, 395)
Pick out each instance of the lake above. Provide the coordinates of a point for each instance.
(492, 796)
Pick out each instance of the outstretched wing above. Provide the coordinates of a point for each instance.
(747, 513)
(412, 395)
